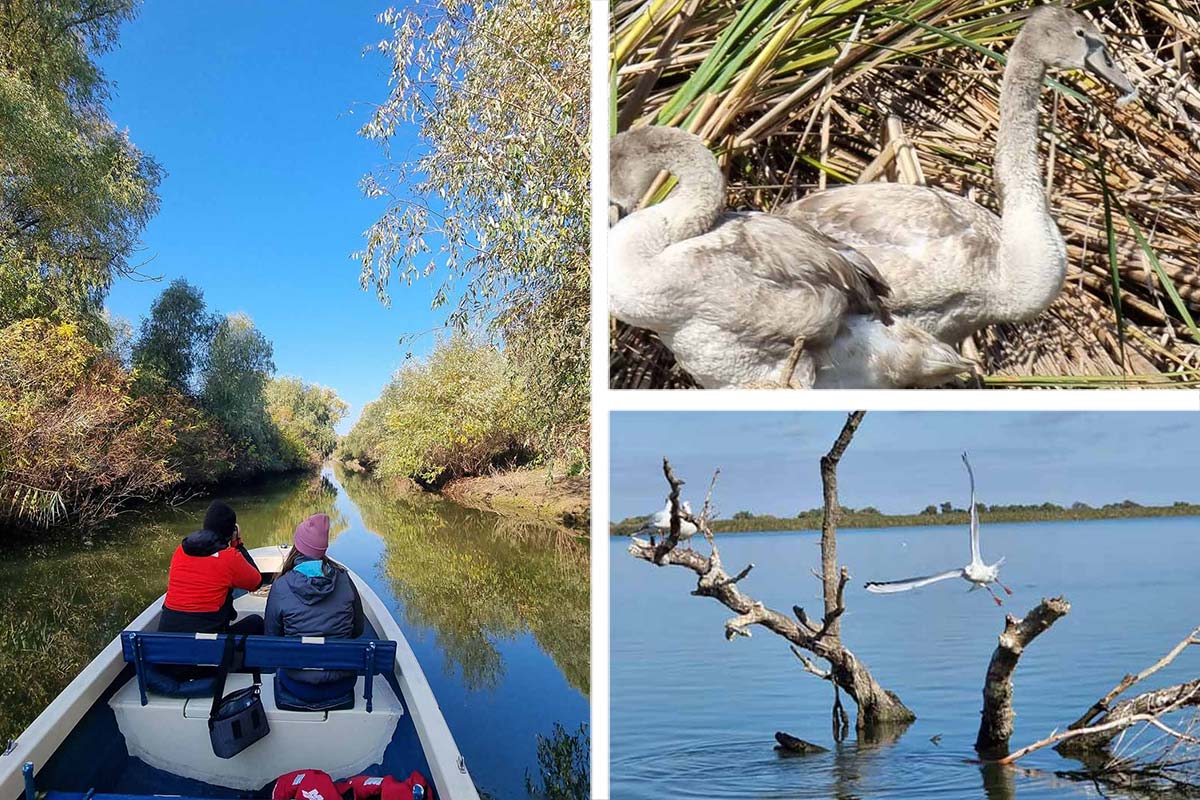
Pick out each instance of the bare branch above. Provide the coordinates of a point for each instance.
(1102, 705)
(833, 511)
(996, 723)
(1154, 703)
(832, 616)
(875, 704)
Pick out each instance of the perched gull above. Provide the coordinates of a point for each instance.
(660, 522)
(978, 574)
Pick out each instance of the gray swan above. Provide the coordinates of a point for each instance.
(746, 299)
(954, 266)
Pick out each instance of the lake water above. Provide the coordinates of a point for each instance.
(496, 611)
(694, 715)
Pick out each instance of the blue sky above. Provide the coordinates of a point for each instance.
(903, 461)
(252, 109)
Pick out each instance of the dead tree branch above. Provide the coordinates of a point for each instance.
(1110, 729)
(876, 705)
(1084, 740)
(996, 723)
(829, 521)
(1102, 705)
(1148, 704)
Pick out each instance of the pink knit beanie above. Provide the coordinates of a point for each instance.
(312, 536)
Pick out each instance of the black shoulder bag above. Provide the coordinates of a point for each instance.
(239, 719)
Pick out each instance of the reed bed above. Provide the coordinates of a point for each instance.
(796, 95)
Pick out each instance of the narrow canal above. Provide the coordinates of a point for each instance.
(496, 610)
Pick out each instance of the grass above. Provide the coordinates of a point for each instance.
(798, 95)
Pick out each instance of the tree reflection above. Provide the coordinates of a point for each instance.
(272, 518)
(475, 578)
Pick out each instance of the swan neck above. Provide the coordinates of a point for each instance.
(1018, 169)
(698, 198)
(1032, 257)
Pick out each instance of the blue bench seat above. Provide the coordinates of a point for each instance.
(148, 650)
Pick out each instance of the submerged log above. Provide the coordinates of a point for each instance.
(996, 723)
(786, 743)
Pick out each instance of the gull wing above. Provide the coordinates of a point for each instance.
(975, 557)
(891, 587)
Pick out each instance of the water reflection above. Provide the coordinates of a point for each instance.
(476, 579)
(506, 605)
(999, 782)
(63, 599)
(931, 647)
(271, 518)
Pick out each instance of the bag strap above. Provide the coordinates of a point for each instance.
(222, 674)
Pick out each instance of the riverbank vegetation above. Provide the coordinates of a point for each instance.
(493, 202)
(94, 417)
(796, 96)
(460, 412)
(945, 514)
(85, 434)
(459, 423)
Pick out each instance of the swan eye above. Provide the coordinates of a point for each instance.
(1079, 32)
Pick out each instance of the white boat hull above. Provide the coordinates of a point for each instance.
(172, 734)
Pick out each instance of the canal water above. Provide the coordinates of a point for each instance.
(496, 610)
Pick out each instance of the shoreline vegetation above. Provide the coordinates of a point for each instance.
(461, 423)
(525, 493)
(746, 522)
(190, 404)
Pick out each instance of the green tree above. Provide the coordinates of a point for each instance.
(172, 340)
(930, 510)
(498, 94)
(457, 414)
(75, 193)
(742, 515)
(234, 378)
(306, 415)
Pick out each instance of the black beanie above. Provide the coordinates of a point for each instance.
(220, 519)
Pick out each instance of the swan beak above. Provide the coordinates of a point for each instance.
(615, 213)
(1100, 63)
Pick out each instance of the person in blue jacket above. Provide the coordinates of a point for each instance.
(314, 596)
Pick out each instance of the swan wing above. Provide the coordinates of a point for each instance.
(927, 243)
(891, 587)
(975, 557)
(786, 252)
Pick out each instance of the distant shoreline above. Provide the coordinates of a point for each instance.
(811, 521)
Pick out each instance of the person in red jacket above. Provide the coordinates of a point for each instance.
(206, 568)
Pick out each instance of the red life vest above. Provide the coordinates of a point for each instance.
(313, 784)
(305, 784)
(385, 788)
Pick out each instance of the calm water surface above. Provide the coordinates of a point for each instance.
(693, 715)
(495, 610)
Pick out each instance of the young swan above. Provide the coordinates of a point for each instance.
(745, 299)
(954, 266)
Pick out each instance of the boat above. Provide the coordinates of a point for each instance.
(108, 736)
